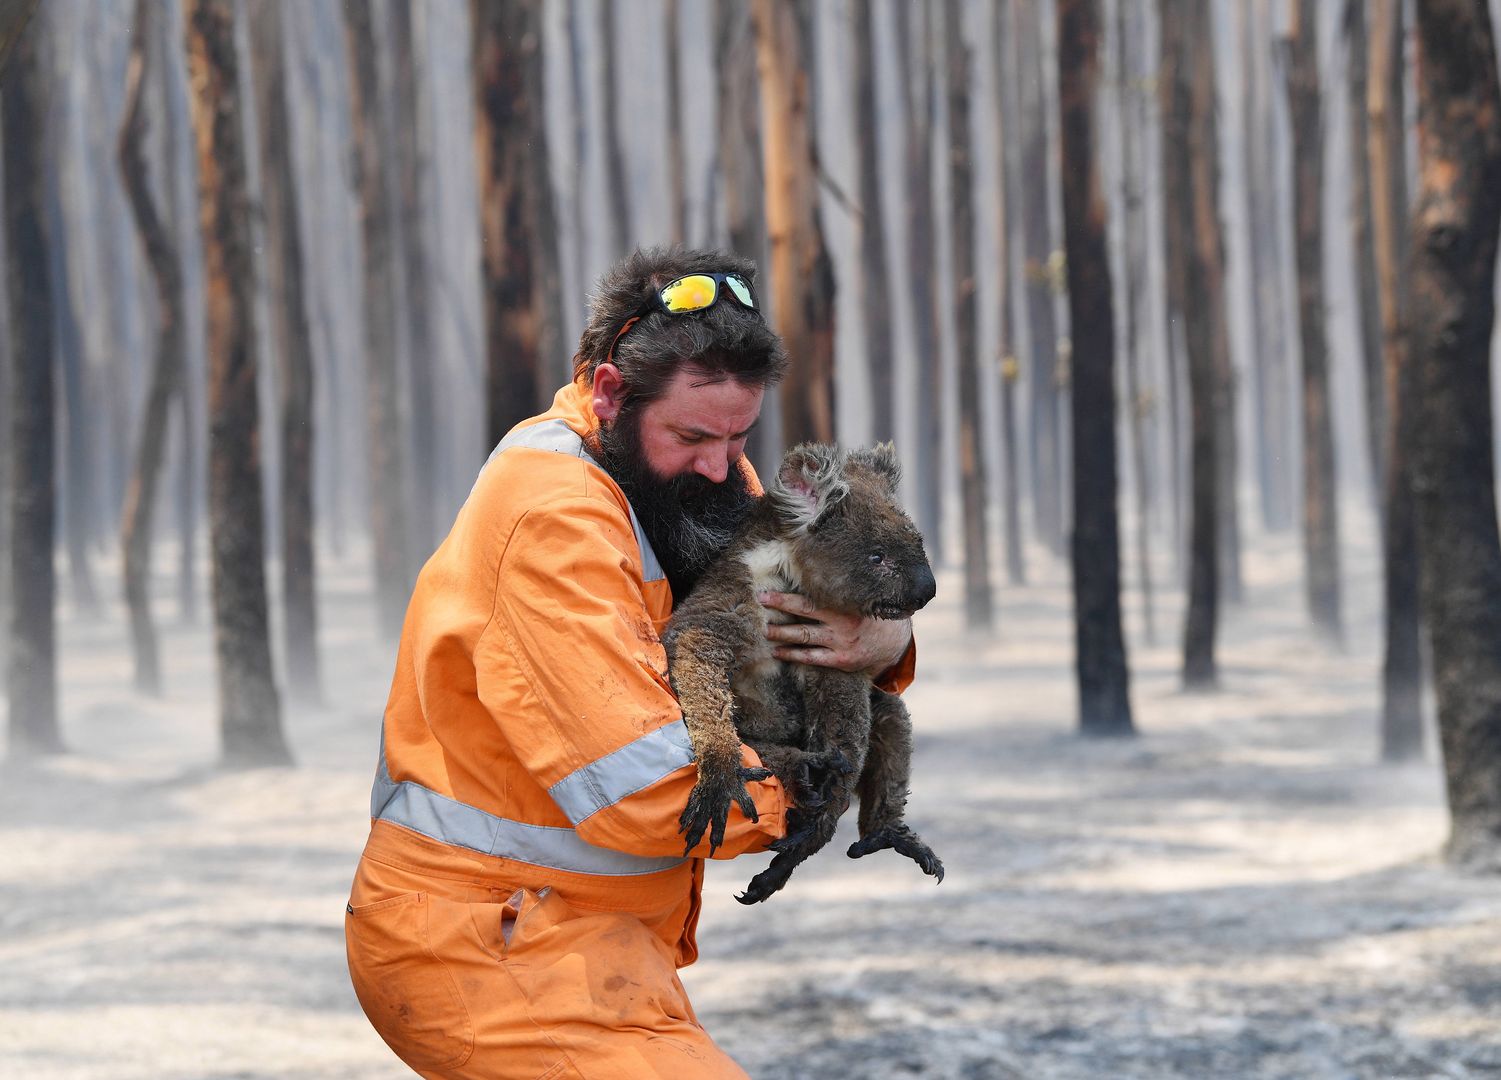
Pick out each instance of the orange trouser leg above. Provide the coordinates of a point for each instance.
(526, 988)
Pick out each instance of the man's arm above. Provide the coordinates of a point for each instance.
(606, 737)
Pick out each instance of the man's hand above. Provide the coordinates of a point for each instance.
(845, 642)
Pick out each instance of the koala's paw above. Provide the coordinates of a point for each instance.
(812, 780)
(903, 841)
(709, 806)
(770, 880)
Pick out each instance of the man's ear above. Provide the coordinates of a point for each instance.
(810, 480)
(609, 391)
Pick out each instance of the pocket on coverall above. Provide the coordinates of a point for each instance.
(406, 991)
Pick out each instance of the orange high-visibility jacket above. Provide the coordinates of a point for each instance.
(530, 719)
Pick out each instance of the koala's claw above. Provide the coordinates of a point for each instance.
(709, 807)
(769, 880)
(903, 841)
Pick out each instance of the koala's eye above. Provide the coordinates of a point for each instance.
(876, 558)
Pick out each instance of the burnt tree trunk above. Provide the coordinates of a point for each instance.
(388, 495)
(1362, 237)
(622, 232)
(171, 349)
(875, 285)
(1189, 157)
(1003, 34)
(15, 16)
(919, 104)
(414, 193)
(1457, 215)
(802, 273)
(677, 196)
(32, 650)
(1320, 505)
(1402, 666)
(249, 710)
(972, 483)
(1044, 372)
(293, 334)
(1133, 122)
(738, 135)
(1104, 681)
(508, 87)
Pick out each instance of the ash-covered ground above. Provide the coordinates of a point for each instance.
(1240, 891)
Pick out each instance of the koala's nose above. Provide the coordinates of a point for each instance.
(924, 585)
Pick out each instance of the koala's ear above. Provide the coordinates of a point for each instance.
(882, 460)
(810, 480)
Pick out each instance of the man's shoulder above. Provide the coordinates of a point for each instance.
(539, 468)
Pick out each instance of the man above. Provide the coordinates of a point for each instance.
(524, 898)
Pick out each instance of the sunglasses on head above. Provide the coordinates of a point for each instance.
(690, 293)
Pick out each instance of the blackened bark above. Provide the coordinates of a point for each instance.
(249, 710)
(1130, 36)
(1003, 32)
(1402, 666)
(1320, 505)
(918, 107)
(388, 494)
(1193, 225)
(293, 335)
(171, 349)
(1044, 373)
(1104, 681)
(622, 231)
(507, 73)
(414, 194)
(676, 92)
(1362, 238)
(972, 483)
(802, 272)
(15, 16)
(1457, 215)
(32, 679)
(875, 286)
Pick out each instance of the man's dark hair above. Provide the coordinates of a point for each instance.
(725, 340)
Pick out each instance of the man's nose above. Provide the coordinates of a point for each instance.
(713, 465)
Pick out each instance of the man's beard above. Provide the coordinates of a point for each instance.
(688, 519)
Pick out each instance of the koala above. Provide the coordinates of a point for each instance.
(829, 527)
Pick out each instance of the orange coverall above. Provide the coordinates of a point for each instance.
(523, 903)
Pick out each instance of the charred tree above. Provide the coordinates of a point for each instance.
(1132, 103)
(972, 483)
(1456, 219)
(802, 273)
(1104, 681)
(171, 349)
(388, 495)
(249, 710)
(414, 193)
(1044, 371)
(32, 650)
(15, 15)
(875, 285)
(508, 88)
(1320, 506)
(1402, 666)
(1362, 236)
(677, 195)
(919, 104)
(1002, 32)
(1189, 156)
(622, 230)
(292, 333)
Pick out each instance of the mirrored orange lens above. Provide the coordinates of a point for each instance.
(692, 293)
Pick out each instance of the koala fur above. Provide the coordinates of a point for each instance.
(830, 528)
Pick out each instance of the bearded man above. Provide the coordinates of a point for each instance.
(524, 899)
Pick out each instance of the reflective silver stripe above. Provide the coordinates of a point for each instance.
(638, 764)
(558, 437)
(423, 810)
